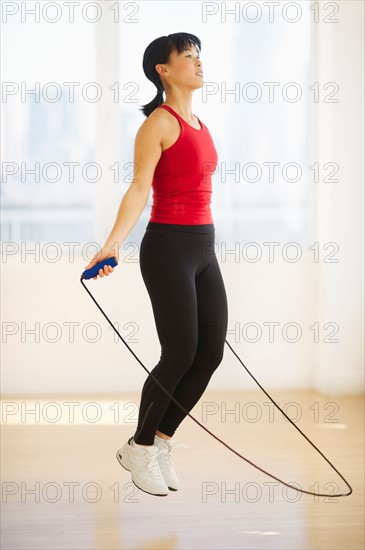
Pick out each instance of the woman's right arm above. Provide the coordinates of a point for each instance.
(147, 152)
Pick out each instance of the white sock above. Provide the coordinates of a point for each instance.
(161, 438)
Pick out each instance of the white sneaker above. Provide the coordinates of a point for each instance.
(166, 461)
(143, 464)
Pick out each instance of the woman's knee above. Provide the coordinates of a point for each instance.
(180, 355)
(215, 355)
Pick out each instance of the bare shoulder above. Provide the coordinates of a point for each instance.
(148, 146)
(156, 124)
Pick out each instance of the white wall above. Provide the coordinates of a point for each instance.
(51, 295)
(338, 56)
(304, 293)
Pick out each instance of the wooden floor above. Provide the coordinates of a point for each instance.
(62, 487)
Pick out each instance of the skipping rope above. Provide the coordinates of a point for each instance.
(93, 271)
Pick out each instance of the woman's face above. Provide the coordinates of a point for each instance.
(183, 70)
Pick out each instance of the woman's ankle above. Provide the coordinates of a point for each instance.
(162, 436)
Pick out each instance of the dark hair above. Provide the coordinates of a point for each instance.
(158, 51)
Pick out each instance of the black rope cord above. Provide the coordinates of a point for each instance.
(225, 444)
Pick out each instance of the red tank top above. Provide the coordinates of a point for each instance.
(182, 185)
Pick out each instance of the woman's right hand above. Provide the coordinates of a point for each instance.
(103, 254)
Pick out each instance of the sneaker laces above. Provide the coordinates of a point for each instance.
(152, 463)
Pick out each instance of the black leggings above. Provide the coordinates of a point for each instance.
(183, 279)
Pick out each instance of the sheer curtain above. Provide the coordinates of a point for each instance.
(254, 72)
(48, 128)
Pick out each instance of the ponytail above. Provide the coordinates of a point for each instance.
(152, 105)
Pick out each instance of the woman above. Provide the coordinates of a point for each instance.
(174, 153)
